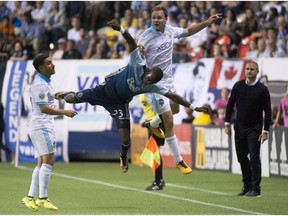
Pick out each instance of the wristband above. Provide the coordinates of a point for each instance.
(192, 106)
(122, 30)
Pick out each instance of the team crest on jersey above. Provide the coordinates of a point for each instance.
(79, 94)
(161, 102)
(41, 96)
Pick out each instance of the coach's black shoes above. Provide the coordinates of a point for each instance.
(244, 190)
(123, 163)
(253, 193)
(156, 186)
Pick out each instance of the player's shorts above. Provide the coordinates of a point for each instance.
(159, 103)
(118, 109)
(44, 141)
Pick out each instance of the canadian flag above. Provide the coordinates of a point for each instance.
(226, 73)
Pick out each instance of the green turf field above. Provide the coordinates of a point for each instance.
(101, 189)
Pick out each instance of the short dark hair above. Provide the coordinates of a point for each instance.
(158, 73)
(161, 8)
(39, 60)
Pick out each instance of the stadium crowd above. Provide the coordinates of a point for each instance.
(78, 29)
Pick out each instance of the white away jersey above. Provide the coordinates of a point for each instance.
(41, 93)
(158, 50)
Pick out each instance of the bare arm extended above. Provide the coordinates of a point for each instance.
(130, 40)
(53, 111)
(193, 29)
(180, 100)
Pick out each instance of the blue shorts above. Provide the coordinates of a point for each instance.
(99, 95)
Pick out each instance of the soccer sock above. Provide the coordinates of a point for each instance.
(125, 149)
(158, 172)
(173, 145)
(34, 183)
(44, 179)
(155, 121)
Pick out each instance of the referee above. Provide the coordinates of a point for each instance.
(251, 98)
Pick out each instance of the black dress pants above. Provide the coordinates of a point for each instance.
(246, 141)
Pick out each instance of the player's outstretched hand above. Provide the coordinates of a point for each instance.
(114, 24)
(214, 18)
(205, 109)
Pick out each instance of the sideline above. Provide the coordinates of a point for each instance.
(150, 192)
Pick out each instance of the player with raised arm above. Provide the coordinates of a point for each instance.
(156, 43)
(120, 87)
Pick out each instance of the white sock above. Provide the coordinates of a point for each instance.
(44, 179)
(174, 148)
(34, 182)
(155, 121)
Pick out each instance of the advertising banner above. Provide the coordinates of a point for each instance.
(211, 148)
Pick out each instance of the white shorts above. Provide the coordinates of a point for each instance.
(159, 103)
(44, 141)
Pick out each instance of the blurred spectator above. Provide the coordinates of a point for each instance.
(184, 10)
(39, 13)
(221, 103)
(71, 51)
(74, 32)
(272, 48)
(76, 8)
(55, 23)
(31, 33)
(18, 53)
(261, 49)
(252, 53)
(61, 47)
(129, 22)
(270, 20)
(283, 110)
(6, 27)
(248, 26)
(228, 27)
(100, 50)
(215, 120)
(217, 52)
(4, 10)
(83, 44)
(279, 7)
(282, 36)
(141, 27)
(147, 18)
(203, 10)
(17, 15)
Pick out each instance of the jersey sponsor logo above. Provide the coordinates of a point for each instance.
(164, 46)
(131, 85)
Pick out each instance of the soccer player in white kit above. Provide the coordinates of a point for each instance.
(42, 133)
(157, 45)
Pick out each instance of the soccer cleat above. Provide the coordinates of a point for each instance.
(60, 95)
(123, 163)
(244, 191)
(46, 203)
(253, 193)
(182, 166)
(30, 203)
(156, 186)
(157, 131)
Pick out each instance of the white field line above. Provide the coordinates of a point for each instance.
(198, 189)
(149, 192)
